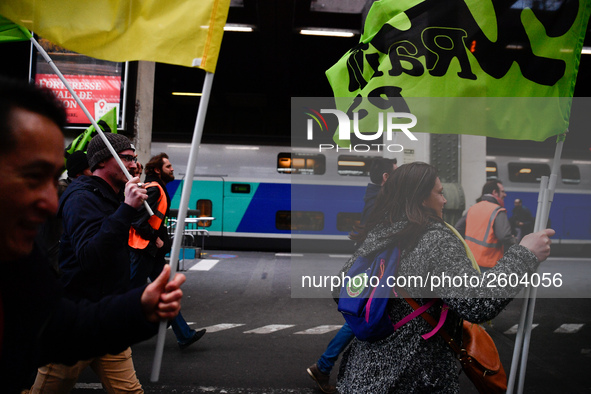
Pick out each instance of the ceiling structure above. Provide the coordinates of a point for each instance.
(259, 72)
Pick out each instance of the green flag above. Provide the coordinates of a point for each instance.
(108, 123)
(492, 68)
(12, 32)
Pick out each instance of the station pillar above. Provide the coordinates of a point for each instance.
(461, 161)
(144, 106)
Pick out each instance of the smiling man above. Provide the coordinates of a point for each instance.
(38, 325)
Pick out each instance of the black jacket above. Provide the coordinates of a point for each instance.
(40, 326)
(94, 257)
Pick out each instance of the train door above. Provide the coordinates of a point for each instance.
(206, 196)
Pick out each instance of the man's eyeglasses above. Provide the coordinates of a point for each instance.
(128, 158)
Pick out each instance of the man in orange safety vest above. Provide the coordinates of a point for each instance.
(486, 227)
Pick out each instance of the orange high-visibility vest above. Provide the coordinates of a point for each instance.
(137, 242)
(480, 235)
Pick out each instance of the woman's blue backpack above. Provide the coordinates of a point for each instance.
(363, 299)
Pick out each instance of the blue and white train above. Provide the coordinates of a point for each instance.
(570, 213)
(270, 198)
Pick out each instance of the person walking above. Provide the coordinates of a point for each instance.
(522, 221)
(38, 325)
(409, 215)
(96, 213)
(380, 169)
(486, 226)
(149, 241)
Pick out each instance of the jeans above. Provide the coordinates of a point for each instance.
(334, 348)
(144, 266)
(181, 329)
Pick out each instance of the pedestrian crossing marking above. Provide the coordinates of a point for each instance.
(88, 386)
(269, 329)
(204, 265)
(513, 330)
(568, 328)
(221, 327)
(326, 328)
(319, 330)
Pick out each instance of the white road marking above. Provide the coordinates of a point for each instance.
(204, 265)
(269, 329)
(288, 255)
(513, 330)
(568, 328)
(220, 327)
(91, 386)
(319, 330)
(339, 256)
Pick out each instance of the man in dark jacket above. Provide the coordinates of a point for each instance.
(379, 171)
(94, 258)
(37, 324)
(522, 220)
(149, 241)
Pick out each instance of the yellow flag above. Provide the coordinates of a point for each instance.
(182, 32)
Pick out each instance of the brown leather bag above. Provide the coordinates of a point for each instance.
(478, 355)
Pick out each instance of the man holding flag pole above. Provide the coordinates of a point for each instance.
(37, 324)
(183, 32)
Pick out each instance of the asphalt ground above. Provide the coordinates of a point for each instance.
(261, 340)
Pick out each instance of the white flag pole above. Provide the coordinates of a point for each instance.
(180, 224)
(546, 203)
(88, 115)
(520, 328)
(526, 321)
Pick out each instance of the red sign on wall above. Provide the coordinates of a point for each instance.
(98, 94)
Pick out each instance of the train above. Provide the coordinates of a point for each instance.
(570, 213)
(275, 198)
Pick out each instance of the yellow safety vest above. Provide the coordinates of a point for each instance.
(135, 240)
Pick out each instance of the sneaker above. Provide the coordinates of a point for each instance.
(322, 379)
(196, 336)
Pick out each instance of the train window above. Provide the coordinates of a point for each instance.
(492, 172)
(528, 172)
(346, 221)
(354, 165)
(299, 220)
(570, 174)
(301, 163)
(205, 210)
(243, 188)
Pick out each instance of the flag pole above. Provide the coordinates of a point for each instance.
(88, 115)
(524, 309)
(529, 303)
(180, 224)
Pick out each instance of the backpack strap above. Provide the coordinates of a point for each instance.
(422, 311)
(449, 340)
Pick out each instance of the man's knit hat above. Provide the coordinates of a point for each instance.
(98, 151)
(76, 163)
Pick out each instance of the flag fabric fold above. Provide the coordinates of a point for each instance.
(181, 32)
(520, 63)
